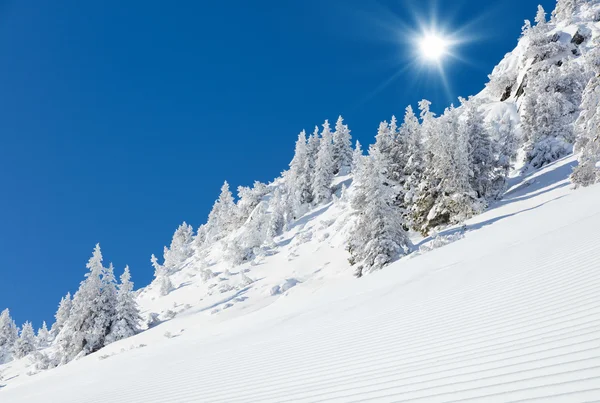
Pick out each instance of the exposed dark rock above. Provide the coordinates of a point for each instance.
(555, 37)
(577, 38)
(506, 94)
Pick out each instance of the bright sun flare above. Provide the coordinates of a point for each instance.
(433, 47)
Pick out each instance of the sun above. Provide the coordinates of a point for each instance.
(433, 47)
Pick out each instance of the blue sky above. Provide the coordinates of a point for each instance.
(119, 120)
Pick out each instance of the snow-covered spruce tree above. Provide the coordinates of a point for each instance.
(93, 311)
(280, 212)
(378, 236)
(342, 147)
(298, 177)
(181, 248)
(161, 277)
(541, 46)
(25, 344)
(249, 198)
(243, 246)
(586, 128)
(43, 337)
(456, 200)
(550, 106)
(425, 188)
(410, 131)
(324, 167)
(506, 143)
(62, 314)
(127, 315)
(312, 150)
(8, 335)
(481, 157)
(222, 219)
(565, 10)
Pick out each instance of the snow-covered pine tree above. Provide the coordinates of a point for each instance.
(62, 314)
(324, 167)
(181, 248)
(43, 337)
(586, 128)
(540, 44)
(255, 231)
(249, 198)
(342, 147)
(312, 150)
(550, 106)
(8, 335)
(25, 344)
(298, 177)
(481, 157)
(279, 212)
(161, 277)
(565, 10)
(410, 131)
(378, 236)
(127, 315)
(93, 311)
(223, 217)
(424, 191)
(504, 138)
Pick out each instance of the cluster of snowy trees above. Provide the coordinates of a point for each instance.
(558, 97)
(101, 311)
(423, 173)
(18, 343)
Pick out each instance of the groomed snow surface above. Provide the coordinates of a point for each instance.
(509, 312)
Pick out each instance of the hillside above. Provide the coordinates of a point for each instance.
(508, 313)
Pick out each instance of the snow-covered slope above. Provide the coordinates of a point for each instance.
(510, 312)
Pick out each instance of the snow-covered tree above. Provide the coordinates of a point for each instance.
(62, 314)
(249, 198)
(324, 167)
(255, 231)
(161, 277)
(223, 216)
(506, 143)
(565, 10)
(540, 16)
(279, 212)
(93, 311)
(181, 248)
(586, 129)
(25, 344)
(378, 236)
(550, 106)
(8, 335)
(356, 156)
(481, 157)
(127, 315)
(410, 131)
(298, 176)
(43, 337)
(342, 147)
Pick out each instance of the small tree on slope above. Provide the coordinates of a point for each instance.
(127, 318)
(342, 147)
(324, 167)
(8, 335)
(62, 314)
(43, 337)
(298, 176)
(25, 344)
(93, 311)
(378, 236)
